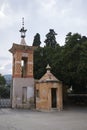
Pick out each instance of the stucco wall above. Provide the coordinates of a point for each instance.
(18, 84)
(44, 100)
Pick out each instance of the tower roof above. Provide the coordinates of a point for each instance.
(48, 76)
(16, 47)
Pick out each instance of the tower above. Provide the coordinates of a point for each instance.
(22, 72)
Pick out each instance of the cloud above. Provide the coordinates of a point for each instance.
(2, 15)
(4, 58)
(40, 15)
(2, 67)
(5, 65)
(47, 6)
(6, 68)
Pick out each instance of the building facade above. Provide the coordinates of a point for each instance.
(23, 81)
(48, 92)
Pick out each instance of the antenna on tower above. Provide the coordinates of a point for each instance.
(23, 22)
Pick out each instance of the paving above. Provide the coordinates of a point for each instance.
(68, 119)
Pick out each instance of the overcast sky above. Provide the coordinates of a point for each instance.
(40, 15)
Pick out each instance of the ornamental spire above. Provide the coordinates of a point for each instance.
(23, 31)
(48, 68)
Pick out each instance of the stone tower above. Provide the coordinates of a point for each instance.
(23, 81)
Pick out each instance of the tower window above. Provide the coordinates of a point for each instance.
(24, 67)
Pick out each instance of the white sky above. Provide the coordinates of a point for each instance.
(40, 15)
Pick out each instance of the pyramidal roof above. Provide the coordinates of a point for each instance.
(48, 76)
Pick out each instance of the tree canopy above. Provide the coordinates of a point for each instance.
(51, 39)
(36, 41)
(2, 80)
(68, 62)
(4, 89)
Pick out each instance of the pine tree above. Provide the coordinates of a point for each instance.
(36, 41)
(51, 39)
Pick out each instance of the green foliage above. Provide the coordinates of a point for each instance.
(2, 80)
(4, 92)
(38, 63)
(43, 56)
(72, 39)
(74, 55)
(51, 39)
(36, 41)
(68, 62)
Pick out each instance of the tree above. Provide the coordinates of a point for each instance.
(75, 63)
(36, 41)
(51, 39)
(68, 62)
(46, 55)
(4, 90)
(2, 80)
(72, 39)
